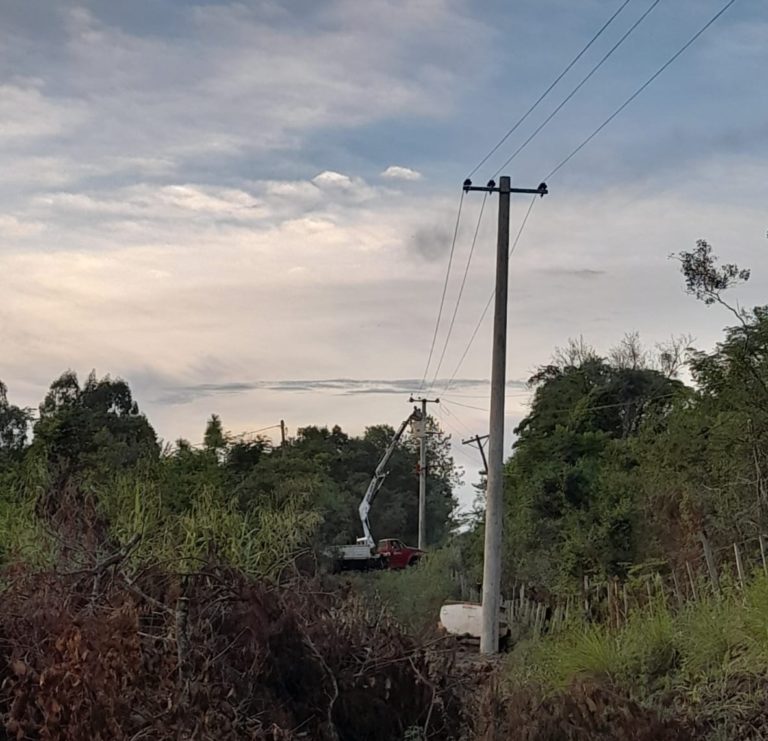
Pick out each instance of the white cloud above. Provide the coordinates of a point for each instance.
(339, 185)
(396, 172)
(154, 202)
(12, 228)
(333, 180)
(231, 81)
(26, 113)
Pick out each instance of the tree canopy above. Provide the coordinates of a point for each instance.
(92, 460)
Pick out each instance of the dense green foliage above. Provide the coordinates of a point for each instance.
(572, 484)
(620, 463)
(617, 464)
(91, 470)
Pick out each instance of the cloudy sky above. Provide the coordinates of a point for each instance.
(247, 207)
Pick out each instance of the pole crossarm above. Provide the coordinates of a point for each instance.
(491, 187)
(478, 440)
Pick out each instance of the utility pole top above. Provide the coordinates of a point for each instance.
(478, 440)
(474, 439)
(413, 399)
(491, 187)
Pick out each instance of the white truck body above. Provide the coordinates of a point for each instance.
(358, 552)
(358, 557)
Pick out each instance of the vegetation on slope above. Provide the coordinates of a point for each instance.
(126, 562)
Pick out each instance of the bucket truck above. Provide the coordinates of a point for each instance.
(390, 553)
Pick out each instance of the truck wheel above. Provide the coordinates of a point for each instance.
(414, 561)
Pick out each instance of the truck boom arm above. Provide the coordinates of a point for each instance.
(378, 479)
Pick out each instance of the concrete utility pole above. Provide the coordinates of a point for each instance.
(478, 440)
(494, 499)
(423, 469)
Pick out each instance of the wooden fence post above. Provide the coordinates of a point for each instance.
(710, 562)
(692, 580)
(678, 593)
(557, 618)
(739, 566)
(626, 602)
(537, 620)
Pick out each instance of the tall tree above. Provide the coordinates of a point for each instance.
(572, 503)
(94, 427)
(14, 426)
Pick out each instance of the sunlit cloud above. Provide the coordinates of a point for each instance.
(396, 172)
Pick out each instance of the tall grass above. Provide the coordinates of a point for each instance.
(659, 648)
(260, 542)
(23, 537)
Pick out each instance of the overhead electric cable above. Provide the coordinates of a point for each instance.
(549, 89)
(574, 408)
(490, 299)
(466, 406)
(641, 88)
(459, 421)
(445, 288)
(578, 87)
(262, 429)
(461, 290)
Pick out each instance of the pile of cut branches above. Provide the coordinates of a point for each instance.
(104, 654)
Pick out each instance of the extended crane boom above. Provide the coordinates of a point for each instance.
(378, 479)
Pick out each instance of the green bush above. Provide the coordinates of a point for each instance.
(415, 595)
(650, 644)
(23, 537)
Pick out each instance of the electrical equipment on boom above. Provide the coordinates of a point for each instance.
(391, 552)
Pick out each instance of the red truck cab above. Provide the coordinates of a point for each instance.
(397, 554)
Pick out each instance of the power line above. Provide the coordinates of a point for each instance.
(509, 394)
(607, 406)
(574, 408)
(490, 299)
(456, 448)
(480, 409)
(458, 216)
(549, 89)
(461, 290)
(579, 86)
(641, 88)
(445, 288)
(467, 457)
(262, 429)
(466, 406)
(447, 425)
(459, 421)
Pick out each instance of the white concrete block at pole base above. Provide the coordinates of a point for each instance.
(464, 619)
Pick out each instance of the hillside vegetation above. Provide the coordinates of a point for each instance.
(152, 590)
